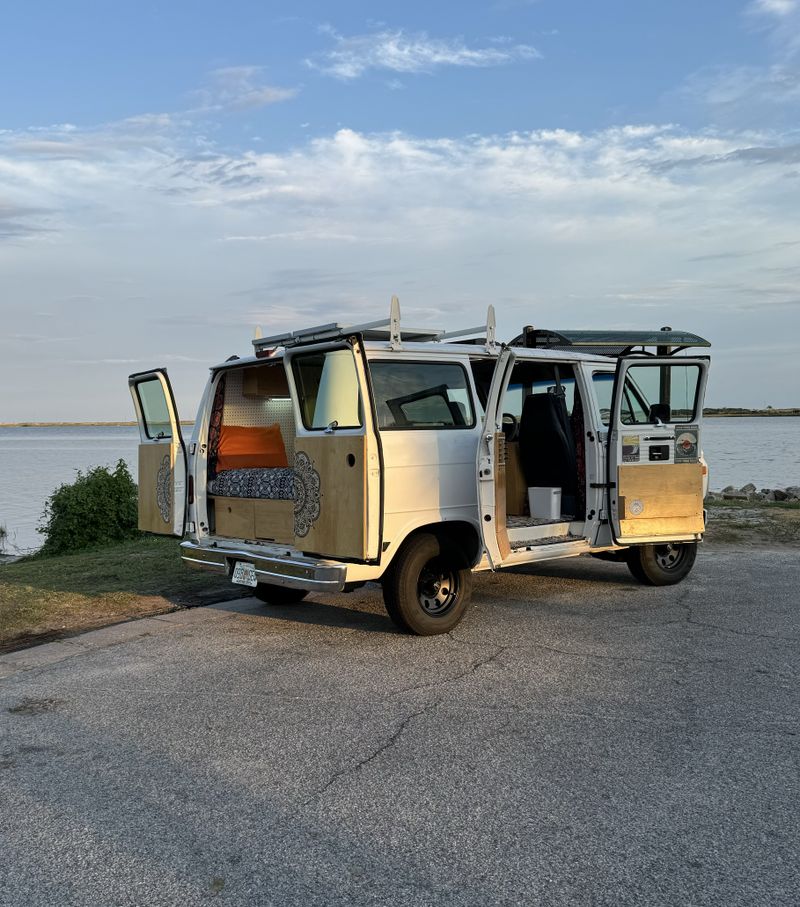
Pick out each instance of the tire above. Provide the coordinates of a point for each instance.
(662, 565)
(427, 589)
(279, 595)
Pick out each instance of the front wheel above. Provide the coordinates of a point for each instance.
(428, 587)
(279, 595)
(662, 565)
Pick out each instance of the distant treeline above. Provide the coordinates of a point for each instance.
(741, 411)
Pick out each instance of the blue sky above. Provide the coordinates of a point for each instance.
(173, 174)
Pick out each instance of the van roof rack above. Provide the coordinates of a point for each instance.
(383, 329)
(608, 343)
(371, 330)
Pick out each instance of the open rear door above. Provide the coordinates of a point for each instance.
(162, 454)
(655, 473)
(336, 456)
(491, 466)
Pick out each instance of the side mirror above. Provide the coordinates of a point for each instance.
(659, 413)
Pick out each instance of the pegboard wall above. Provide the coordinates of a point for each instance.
(253, 412)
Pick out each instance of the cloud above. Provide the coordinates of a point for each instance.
(240, 88)
(18, 221)
(403, 52)
(766, 94)
(778, 8)
(185, 247)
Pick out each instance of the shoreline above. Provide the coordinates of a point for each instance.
(711, 413)
(129, 424)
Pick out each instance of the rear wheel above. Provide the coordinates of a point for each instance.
(662, 565)
(279, 595)
(428, 587)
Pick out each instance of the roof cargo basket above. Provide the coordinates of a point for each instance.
(609, 343)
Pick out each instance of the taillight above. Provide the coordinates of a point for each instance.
(190, 490)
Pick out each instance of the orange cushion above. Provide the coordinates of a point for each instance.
(246, 448)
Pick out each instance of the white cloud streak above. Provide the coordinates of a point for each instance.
(778, 8)
(239, 88)
(404, 52)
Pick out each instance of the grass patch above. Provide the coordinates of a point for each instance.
(45, 597)
(754, 522)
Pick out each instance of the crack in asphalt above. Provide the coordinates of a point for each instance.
(690, 619)
(382, 747)
(475, 666)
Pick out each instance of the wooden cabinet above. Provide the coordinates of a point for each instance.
(248, 518)
(265, 381)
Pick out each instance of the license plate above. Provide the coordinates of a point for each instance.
(245, 574)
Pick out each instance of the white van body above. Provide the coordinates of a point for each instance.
(394, 435)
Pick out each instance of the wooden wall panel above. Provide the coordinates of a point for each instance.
(235, 517)
(663, 500)
(500, 513)
(154, 515)
(274, 520)
(516, 487)
(340, 463)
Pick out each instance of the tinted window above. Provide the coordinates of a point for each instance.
(422, 395)
(154, 408)
(538, 378)
(327, 389)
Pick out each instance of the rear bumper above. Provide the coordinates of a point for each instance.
(293, 572)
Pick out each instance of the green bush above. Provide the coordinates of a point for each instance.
(98, 508)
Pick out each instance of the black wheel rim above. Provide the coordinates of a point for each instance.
(437, 588)
(670, 557)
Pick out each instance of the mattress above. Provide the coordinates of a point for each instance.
(275, 484)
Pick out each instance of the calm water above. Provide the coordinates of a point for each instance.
(35, 461)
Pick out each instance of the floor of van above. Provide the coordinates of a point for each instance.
(521, 522)
(528, 532)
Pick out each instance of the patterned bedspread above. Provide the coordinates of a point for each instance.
(274, 484)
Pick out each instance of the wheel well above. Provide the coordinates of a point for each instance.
(461, 535)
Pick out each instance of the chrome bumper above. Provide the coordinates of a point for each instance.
(294, 572)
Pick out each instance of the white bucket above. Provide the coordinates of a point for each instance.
(545, 503)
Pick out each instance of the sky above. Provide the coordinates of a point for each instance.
(172, 175)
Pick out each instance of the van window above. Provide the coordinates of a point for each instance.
(674, 386)
(422, 395)
(603, 383)
(538, 378)
(155, 411)
(633, 407)
(327, 389)
(665, 392)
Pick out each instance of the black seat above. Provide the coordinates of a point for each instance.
(547, 446)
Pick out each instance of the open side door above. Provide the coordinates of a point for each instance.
(654, 466)
(491, 466)
(162, 454)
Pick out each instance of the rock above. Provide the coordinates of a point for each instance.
(756, 496)
(769, 495)
(748, 489)
(728, 489)
(734, 495)
(713, 496)
(780, 494)
(794, 492)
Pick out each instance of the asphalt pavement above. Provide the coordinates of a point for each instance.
(578, 739)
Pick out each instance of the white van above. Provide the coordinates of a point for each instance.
(339, 455)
